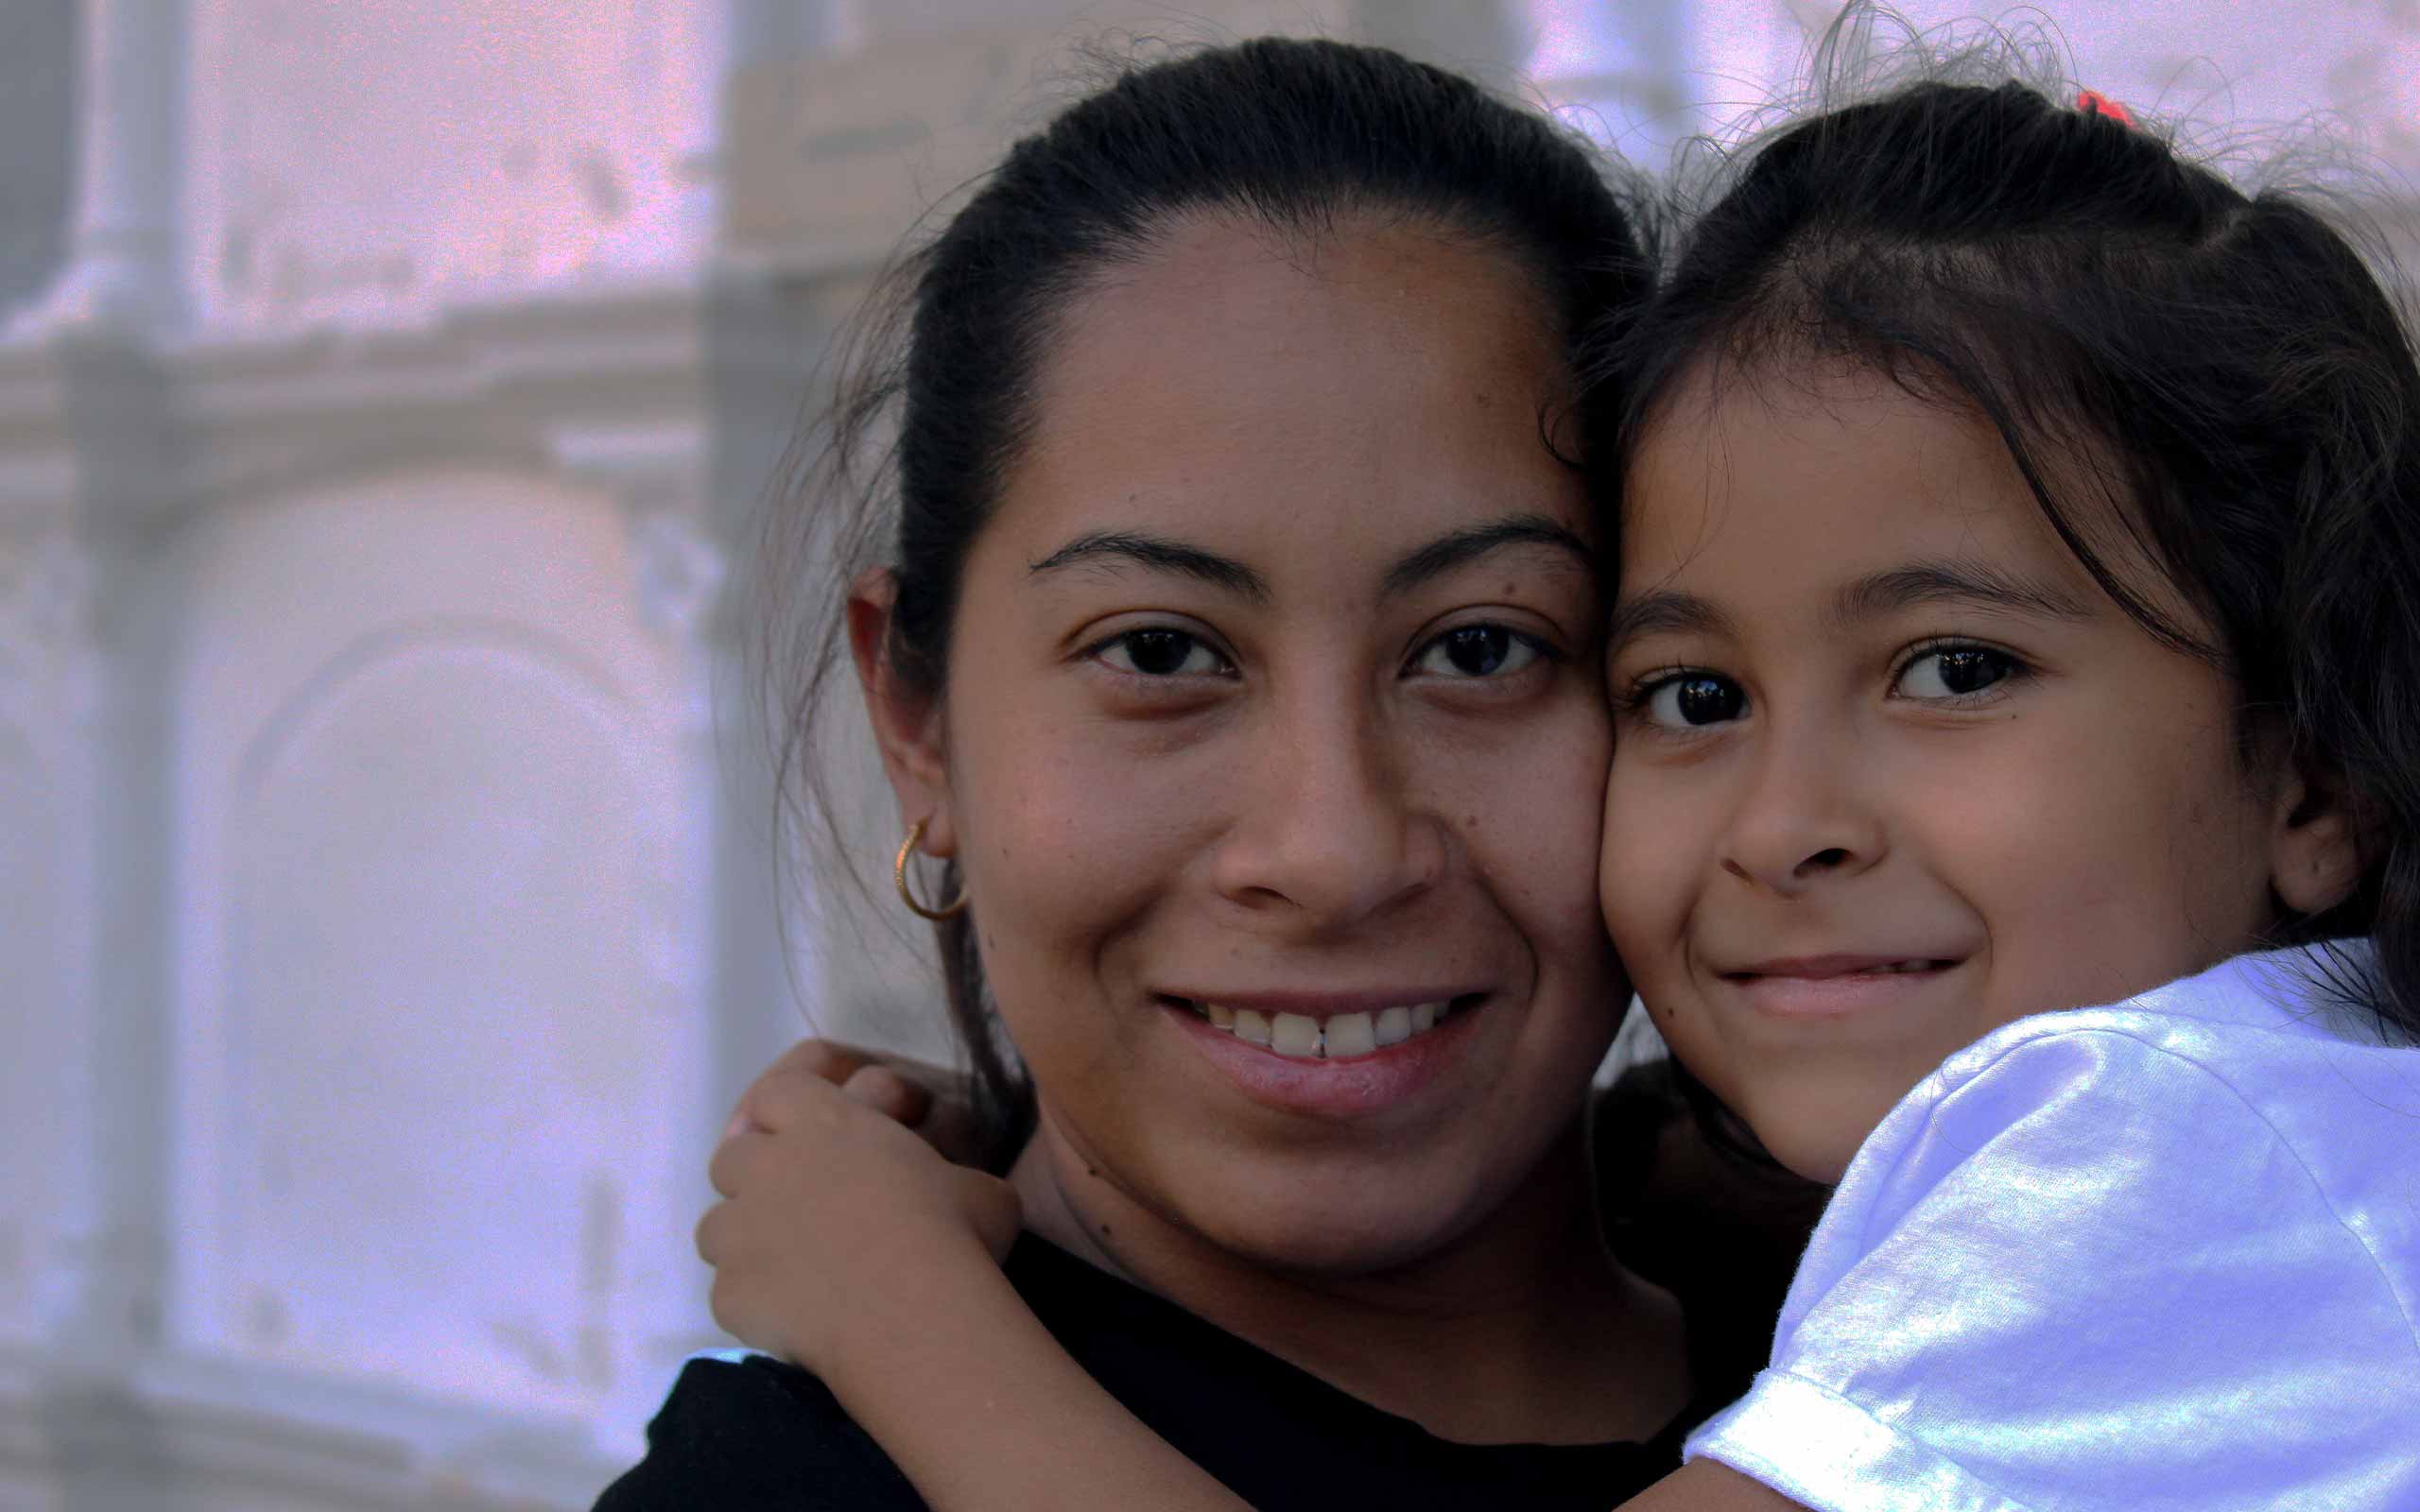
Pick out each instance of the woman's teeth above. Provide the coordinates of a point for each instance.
(1334, 1038)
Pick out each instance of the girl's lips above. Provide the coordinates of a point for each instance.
(1836, 986)
(1343, 1088)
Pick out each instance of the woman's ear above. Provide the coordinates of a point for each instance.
(2317, 845)
(906, 717)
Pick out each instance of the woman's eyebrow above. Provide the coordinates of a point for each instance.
(1977, 584)
(1461, 547)
(1159, 554)
(1439, 556)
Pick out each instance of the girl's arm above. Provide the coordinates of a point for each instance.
(982, 1409)
(846, 1244)
(985, 1412)
(1704, 1485)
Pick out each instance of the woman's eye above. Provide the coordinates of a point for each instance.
(1691, 699)
(1955, 672)
(1478, 651)
(1161, 653)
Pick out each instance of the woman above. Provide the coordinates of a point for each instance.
(1237, 655)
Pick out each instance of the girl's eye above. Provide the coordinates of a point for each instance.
(1688, 699)
(1955, 672)
(1161, 653)
(1478, 651)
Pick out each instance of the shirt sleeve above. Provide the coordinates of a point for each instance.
(2086, 1273)
(757, 1435)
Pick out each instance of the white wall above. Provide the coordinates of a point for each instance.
(386, 912)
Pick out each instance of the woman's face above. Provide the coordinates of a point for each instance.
(1275, 714)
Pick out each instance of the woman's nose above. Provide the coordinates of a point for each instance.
(1330, 833)
(1804, 816)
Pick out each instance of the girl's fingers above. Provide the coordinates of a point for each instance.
(813, 1059)
(949, 1128)
(730, 1160)
(823, 1059)
(887, 1093)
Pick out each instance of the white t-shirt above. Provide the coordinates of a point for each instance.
(2161, 1254)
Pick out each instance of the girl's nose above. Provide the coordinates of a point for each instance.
(1804, 819)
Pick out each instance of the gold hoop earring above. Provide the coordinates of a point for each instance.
(899, 877)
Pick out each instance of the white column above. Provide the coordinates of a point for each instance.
(125, 266)
(121, 1085)
(770, 30)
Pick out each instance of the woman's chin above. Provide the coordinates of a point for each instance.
(1324, 1251)
(1341, 1224)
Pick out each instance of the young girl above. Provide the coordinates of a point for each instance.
(2019, 528)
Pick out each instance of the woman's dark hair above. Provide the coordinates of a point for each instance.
(1303, 138)
(2209, 383)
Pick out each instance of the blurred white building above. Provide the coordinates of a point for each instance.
(387, 916)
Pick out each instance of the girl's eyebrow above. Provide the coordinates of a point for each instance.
(1666, 611)
(1976, 584)
(1418, 566)
(1973, 584)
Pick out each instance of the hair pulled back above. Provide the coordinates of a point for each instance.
(2208, 382)
(1305, 138)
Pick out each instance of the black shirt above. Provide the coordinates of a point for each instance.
(758, 1433)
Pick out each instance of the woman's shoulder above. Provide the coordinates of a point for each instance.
(743, 1430)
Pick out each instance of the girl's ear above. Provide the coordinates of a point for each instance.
(907, 719)
(2316, 844)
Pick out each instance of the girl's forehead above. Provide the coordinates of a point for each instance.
(1785, 494)
(1824, 454)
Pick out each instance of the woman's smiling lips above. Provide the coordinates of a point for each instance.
(1330, 1056)
(1813, 986)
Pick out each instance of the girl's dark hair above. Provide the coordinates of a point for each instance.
(2221, 367)
(1303, 138)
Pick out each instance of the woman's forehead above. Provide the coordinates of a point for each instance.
(1394, 384)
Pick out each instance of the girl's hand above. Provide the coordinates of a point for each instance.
(923, 1098)
(837, 1221)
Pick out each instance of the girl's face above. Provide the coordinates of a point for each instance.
(1889, 769)
(1274, 712)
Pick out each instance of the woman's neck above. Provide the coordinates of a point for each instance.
(1522, 1330)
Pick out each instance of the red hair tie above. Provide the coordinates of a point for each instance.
(2093, 102)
